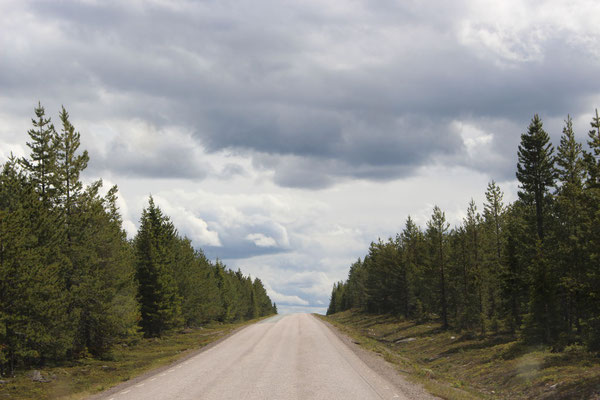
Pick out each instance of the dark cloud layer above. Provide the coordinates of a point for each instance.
(315, 92)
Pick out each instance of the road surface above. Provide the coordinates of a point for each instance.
(284, 357)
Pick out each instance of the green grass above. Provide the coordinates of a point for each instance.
(89, 376)
(455, 366)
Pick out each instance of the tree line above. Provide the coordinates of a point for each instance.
(531, 267)
(73, 285)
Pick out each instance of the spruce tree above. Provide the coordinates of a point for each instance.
(103, 291)
(34, 324)
(535, 171)
(384, 276)
(262, 299)
(69, 164)
(188, 277)
(70, 281)
(212, 304)
(332, 300)
(42, 163)
(536, 175)
(160, 304)
(356, 293)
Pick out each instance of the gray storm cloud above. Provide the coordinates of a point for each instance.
(362, 91)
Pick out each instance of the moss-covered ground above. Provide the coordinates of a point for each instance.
(461, 366)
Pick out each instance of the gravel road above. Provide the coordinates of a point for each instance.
(284, 357)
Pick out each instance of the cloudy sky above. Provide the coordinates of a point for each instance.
(284, 136)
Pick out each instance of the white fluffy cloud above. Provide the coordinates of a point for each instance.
(261, 240)
(517, 31)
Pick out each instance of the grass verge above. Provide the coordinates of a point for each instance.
(88, 376)
(454, 366)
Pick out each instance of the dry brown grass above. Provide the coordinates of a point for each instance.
(459, 366)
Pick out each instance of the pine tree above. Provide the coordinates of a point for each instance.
(571, 233)
(541, 325)
(592, 158)
(493, 211)
(460, 289)
(472, 274)
(437, 229)
(494, 221)
(413, 244)
(569, 160)
(591, 329)
(514, 277)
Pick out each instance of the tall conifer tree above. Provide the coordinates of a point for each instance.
(34, 324)
(69, 164)
(42, 164)
(473, 277)
(494, 221)
(592, 158)
(437, 229)
(535, 171)
(536, 175)
(592, 200)
(160, 304)
(571, 232)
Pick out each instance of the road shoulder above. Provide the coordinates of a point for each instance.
(377, 363)
(188, 354)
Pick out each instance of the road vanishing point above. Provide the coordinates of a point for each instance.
(283, 357)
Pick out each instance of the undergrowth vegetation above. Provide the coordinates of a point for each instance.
(85, 376)
(464, 366)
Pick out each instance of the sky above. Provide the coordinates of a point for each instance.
(283, 137)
